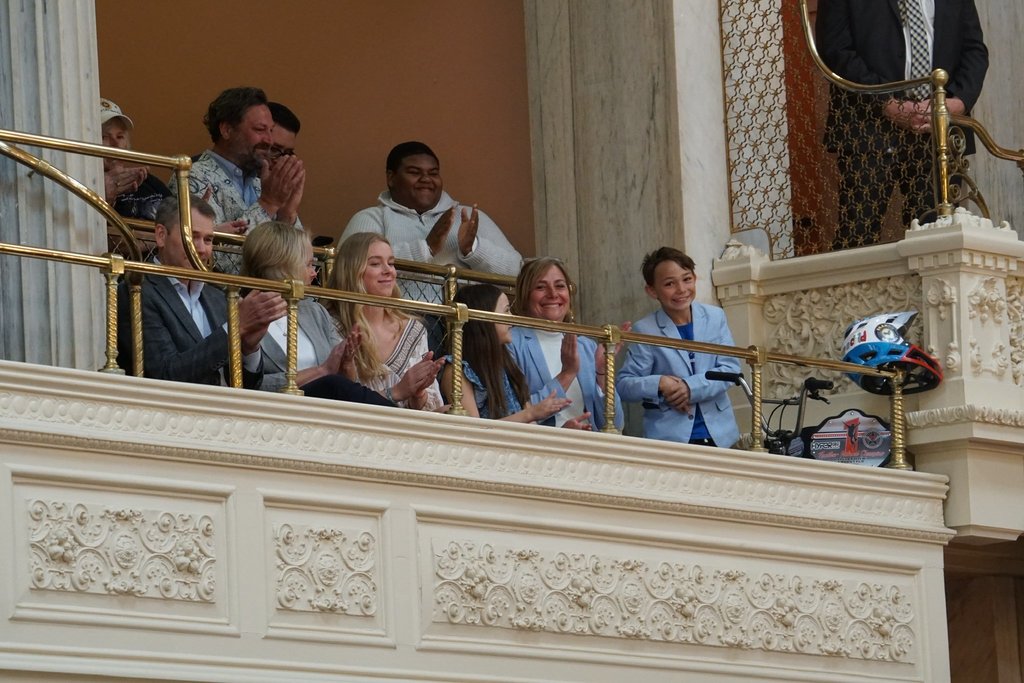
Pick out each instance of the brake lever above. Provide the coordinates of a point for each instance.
(818, 397)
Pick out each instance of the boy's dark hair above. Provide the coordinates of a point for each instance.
(659, 256)
(284, 117)
(485, 353)
(407, 149)
(229, 107)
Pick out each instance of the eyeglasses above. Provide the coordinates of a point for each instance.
(276, 152)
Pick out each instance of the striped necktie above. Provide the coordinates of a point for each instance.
(920, 56)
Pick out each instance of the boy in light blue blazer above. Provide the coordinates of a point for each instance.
(680, 404)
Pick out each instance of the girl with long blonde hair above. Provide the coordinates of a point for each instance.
(393, 342)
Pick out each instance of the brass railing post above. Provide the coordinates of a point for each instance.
(455, 336)
(898, 454)
(234, 339)
(111, 273)
(135, 303)
(940, 138)
(297, 291)
(451, 286)
(185, 213)
(611, 341)
(330, 257)
(755, 404)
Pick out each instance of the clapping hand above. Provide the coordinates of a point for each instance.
(468, 229)
(546, 408)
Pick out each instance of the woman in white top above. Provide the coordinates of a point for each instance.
(567, 365)
(394, 343)
(277, 251)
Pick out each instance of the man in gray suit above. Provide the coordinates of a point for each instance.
(184, 322)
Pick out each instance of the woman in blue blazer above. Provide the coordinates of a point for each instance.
(680, 404)
(570, 366)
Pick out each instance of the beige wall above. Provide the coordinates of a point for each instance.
(361, 76)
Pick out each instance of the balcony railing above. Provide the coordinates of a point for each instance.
(115, 266)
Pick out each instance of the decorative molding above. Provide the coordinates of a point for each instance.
(82, 548)
(812, 323)
(326, 570)
(250, 430)
(963, 218)
(942, 297)
(940, 417)
(736, 251)
(1015, 316)
(524, 589)
(986, 302)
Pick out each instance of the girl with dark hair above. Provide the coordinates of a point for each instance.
(494, 386)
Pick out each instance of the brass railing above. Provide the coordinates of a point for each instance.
(114, 266)
(948, 156)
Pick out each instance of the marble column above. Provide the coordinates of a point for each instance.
(999, 109)
(50, 313)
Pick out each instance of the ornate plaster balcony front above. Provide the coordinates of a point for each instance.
(175, 532)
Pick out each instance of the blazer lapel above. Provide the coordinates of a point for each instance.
(540, 365)
(165, 290)
(669, 330)
(895, 6)
(701, 361)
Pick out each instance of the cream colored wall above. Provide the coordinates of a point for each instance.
(361, 76)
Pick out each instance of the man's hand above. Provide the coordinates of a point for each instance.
(120, 179)
(255, 313)
(235, 227)
(278, 182)
(289, 213)
(467, 230)
(439, 233)
(910, 115)
(676, 392)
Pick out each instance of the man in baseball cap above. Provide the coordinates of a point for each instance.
(131, 190)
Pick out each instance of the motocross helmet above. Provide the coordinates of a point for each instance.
(878, 342)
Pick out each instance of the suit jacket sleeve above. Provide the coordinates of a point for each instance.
(168, 353)
(967, 50)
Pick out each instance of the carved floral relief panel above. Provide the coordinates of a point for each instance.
(813, 323)
(1015, 316)
(325, 571)
(581, 593)
(84, 547)
(987, 310)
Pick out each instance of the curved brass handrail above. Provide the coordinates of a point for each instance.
(838, 80)
(1016, 156)
(180, 163)
(946, 166)
(47, 170)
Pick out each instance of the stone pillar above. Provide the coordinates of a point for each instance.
(612, 179)
(972, 290)
(999, 109)
(50, 313)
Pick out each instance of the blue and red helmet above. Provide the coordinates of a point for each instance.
(878, 342)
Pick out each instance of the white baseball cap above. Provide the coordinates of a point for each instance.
(110, 110)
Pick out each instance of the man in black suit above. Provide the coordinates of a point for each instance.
(184, 326)
(882, 141)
